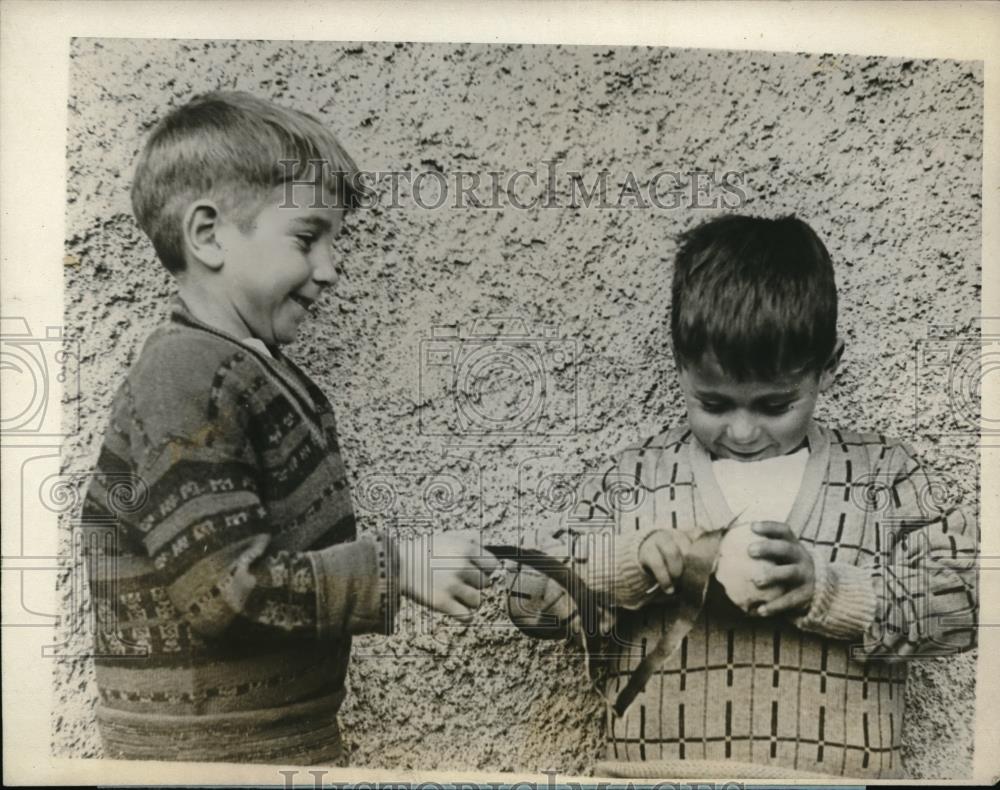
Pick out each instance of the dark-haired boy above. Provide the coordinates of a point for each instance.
(832, 560)
(237, 580)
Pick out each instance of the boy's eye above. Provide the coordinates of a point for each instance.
(713, 407)
(774, 409)
(305, 240)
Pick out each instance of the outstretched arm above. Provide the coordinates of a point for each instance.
(212, 551)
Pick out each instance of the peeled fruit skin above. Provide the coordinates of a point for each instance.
(736, 568)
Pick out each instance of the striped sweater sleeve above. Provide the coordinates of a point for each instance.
(212, 540)
(918, 597)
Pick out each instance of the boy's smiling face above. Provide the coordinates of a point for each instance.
(750, 420)
(275, 271)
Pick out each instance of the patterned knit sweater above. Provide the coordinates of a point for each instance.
(784, 696)
(231, 581)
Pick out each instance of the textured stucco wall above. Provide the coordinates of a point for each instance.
(882, 156)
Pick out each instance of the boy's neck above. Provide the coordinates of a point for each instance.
(213, 312)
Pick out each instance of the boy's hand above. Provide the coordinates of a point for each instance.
(446, 571)
(661, 555)
(793, 568)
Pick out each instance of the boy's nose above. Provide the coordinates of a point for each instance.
(742, 429)
(324, 268)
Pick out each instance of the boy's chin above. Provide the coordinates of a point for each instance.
(283, 338)
(286, 332)
(760, 455)
(763, 454)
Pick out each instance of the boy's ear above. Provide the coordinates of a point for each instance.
(829, 372)
(201, 225)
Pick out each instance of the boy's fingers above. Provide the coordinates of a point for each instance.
(447, 603)
(468, 596)
(459, 613)
(793, 600)
(781, 551)
(459, 603)
(485, 561)
(671, 554)
(474, 577)
(656, 568)
(662, 545)
(779, 574)
(772, 529)
(656, 564)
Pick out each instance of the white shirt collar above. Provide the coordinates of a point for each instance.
(761, 490)
(257, 345)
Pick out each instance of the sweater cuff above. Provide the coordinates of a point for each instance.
(844, 602)
(619, 574)
(357, 587)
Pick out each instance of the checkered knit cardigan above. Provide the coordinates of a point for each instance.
(231, 582)
(817, 694)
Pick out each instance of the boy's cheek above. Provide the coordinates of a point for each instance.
(702, 425)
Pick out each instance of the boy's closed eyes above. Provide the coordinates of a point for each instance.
(715, 404)
(307, 231)
(750, 420)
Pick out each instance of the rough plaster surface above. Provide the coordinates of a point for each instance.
(882, 156)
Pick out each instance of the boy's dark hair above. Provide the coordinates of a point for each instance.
(759, 294)
(229, 146)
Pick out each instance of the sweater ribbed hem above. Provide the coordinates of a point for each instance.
(844, 602)
(304, 732)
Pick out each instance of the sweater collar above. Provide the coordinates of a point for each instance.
(271, 358)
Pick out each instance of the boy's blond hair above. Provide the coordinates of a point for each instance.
(235, 149)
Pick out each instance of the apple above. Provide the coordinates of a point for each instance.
(735, 568)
